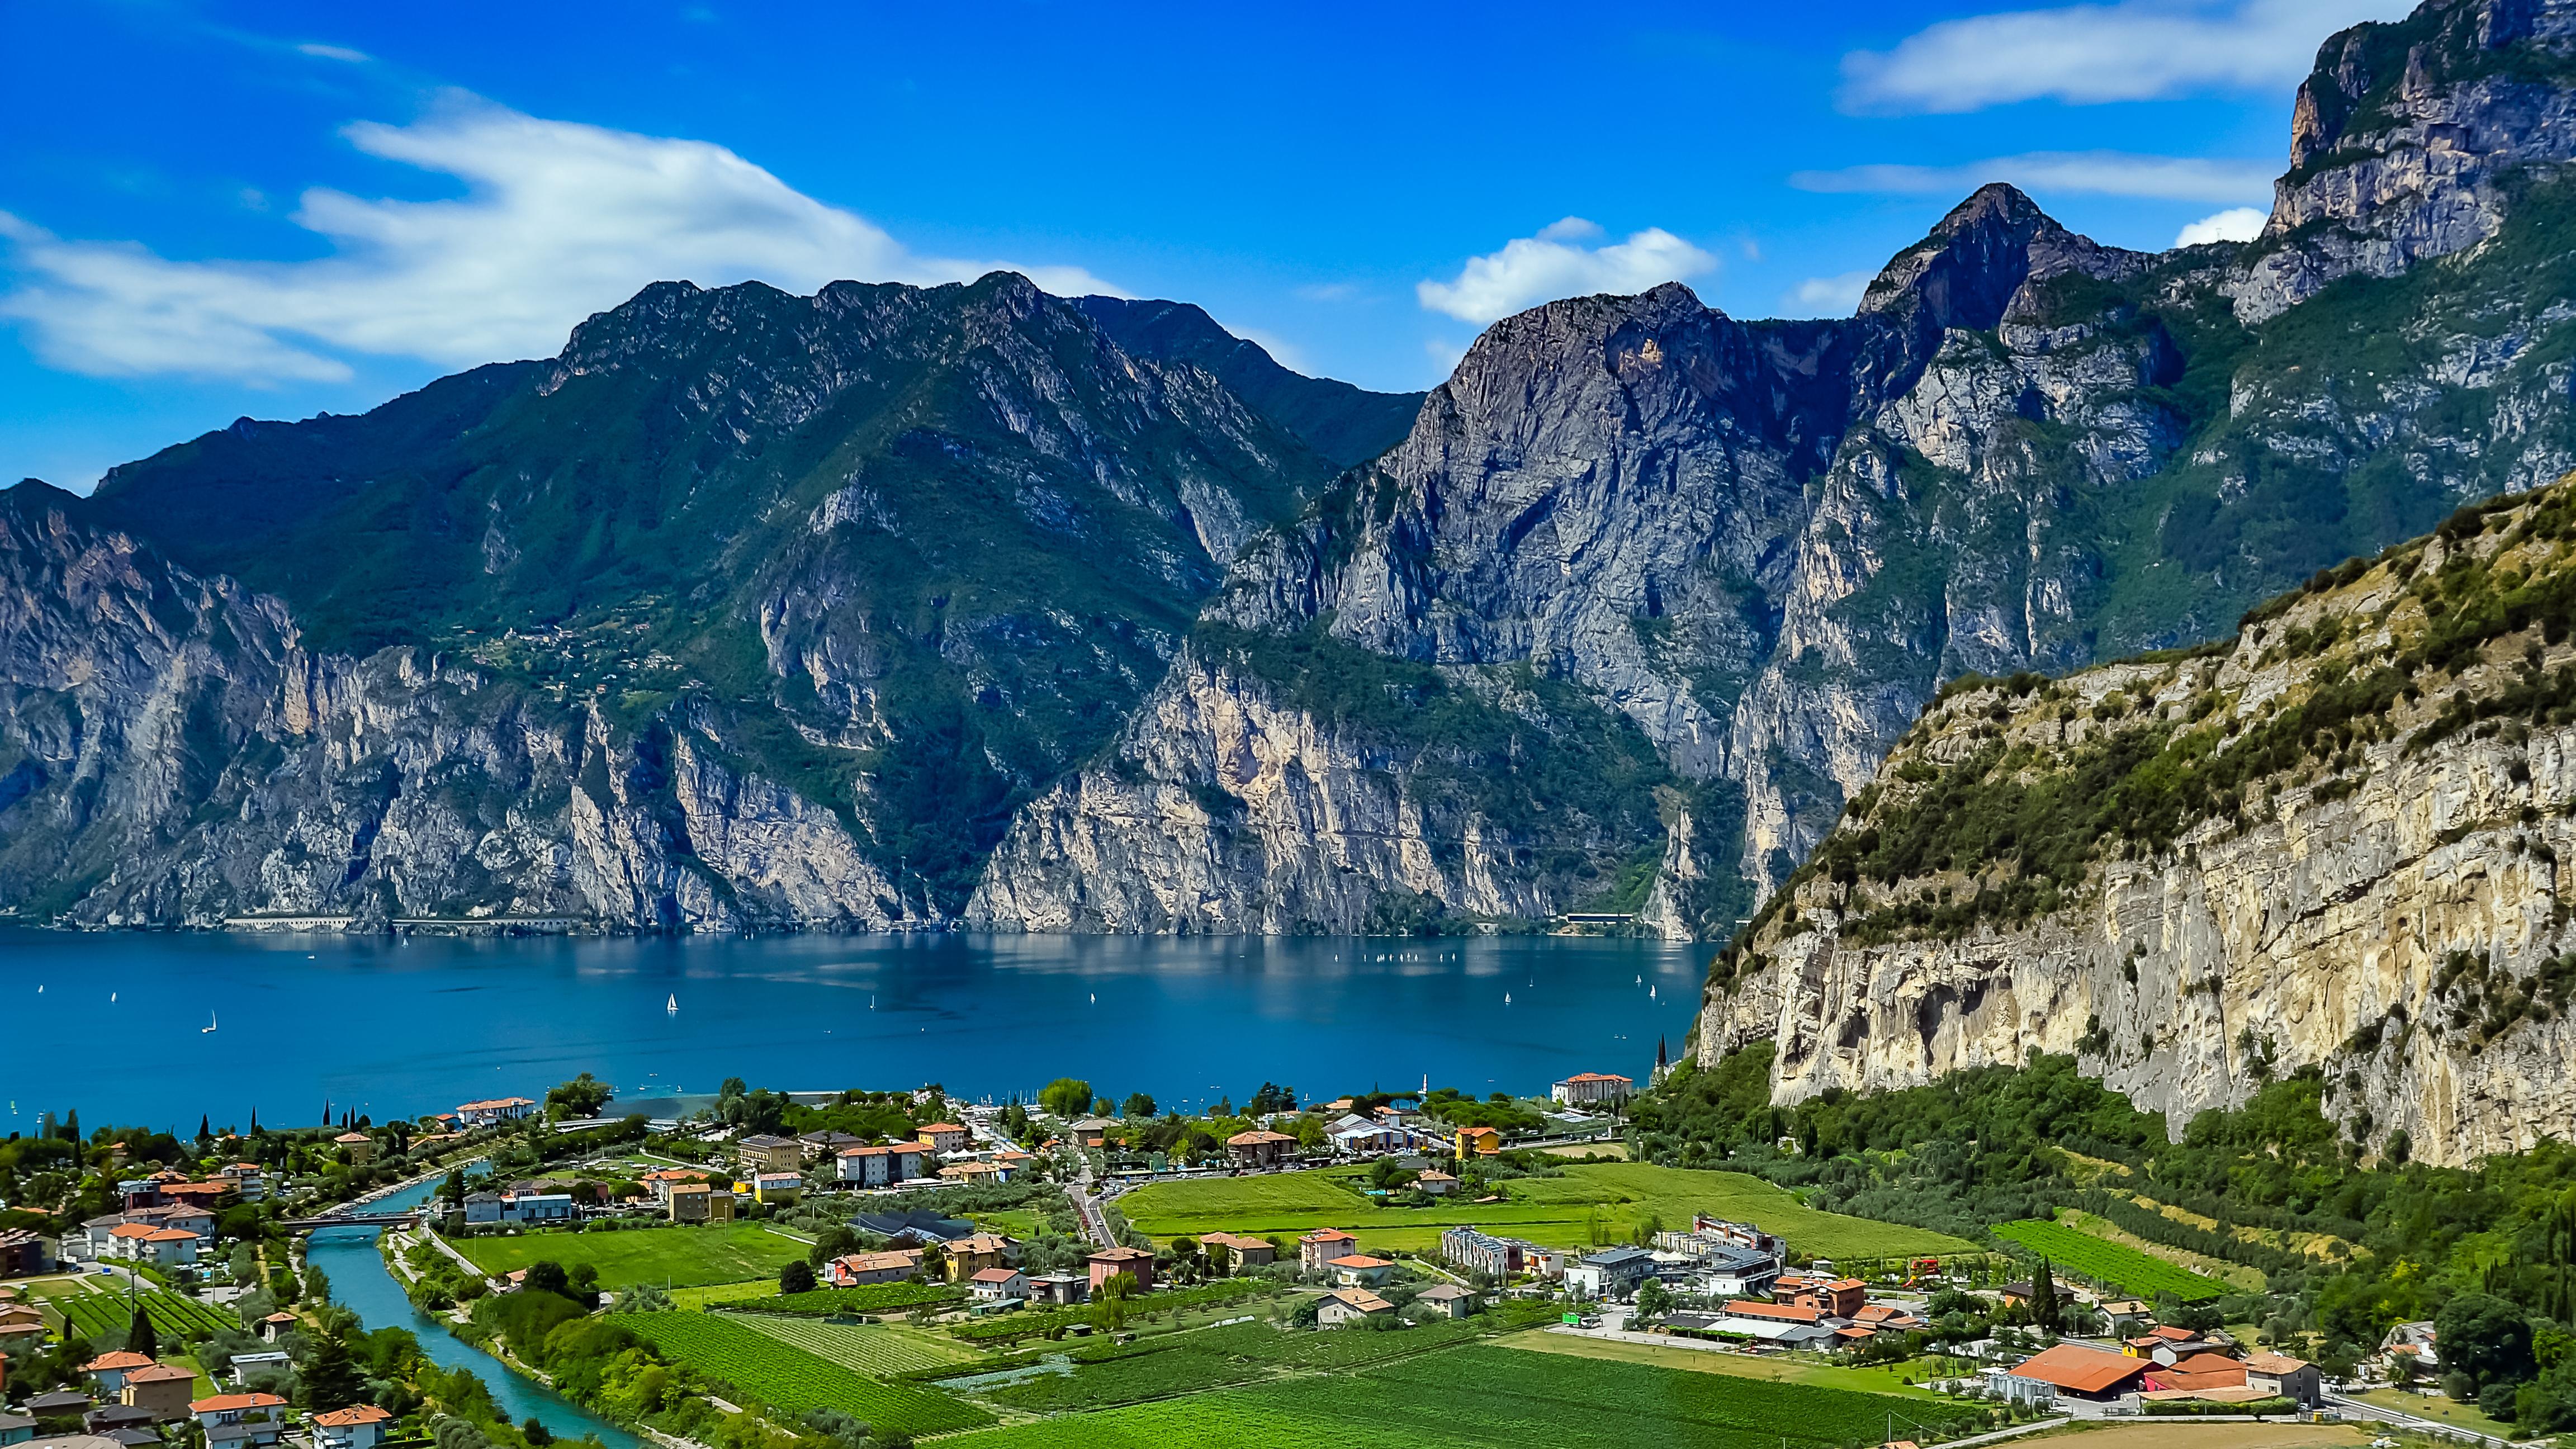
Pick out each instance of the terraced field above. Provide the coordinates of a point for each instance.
(2114, 1265)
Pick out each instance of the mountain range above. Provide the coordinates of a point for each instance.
(895, 607)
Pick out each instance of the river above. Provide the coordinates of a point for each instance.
(393, 1027)
(361, 1283)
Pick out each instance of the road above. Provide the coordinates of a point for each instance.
(2360, 1410)
(1087, 1200)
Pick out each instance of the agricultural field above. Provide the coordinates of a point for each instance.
(103, 1317)
(2114, 1265)
(793, 1380)
(1592, 1202)
(1219, 1357)
(670, 1257)
(1480, 1397)
(875, 1349)
(1875, 1379)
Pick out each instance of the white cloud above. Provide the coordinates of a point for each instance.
(559, 220)
(2133, 50)
(333, 52)
(1827, 296)
(2236, 223)
(1555, 263)
(2107, 173)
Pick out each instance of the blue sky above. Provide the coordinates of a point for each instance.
(210, 210)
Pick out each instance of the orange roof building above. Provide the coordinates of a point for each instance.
(2087, 1373)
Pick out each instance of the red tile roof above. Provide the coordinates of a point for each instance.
(111, 1362)
(351, 1417)
(1783, 1312)
(159, 1374)
(2081, 1370)
(223, 1402)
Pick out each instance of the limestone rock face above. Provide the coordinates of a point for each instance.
(2392, 915)
(174, 756)
(2407, 139)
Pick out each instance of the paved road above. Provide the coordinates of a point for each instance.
(1087, 1199)
(2359, 1409)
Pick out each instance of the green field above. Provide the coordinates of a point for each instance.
(1607, 1199)
(2115, 1265)
(1481, 1397)
(104, 1318)
(674, 1257)
(878, 1350)
(787, 1377)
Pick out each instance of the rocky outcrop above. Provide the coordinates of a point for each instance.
(172, 754)
(2380, 897)
(2408, 141)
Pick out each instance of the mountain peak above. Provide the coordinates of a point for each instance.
(1967, 270)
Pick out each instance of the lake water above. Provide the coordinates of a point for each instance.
(114, 1024)
(361, 1283)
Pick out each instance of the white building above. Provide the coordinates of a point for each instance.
(1593, 1089)
(493, 1112)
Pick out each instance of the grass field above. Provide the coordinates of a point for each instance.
(878, 1350)
(707, 1294)
(787, 1377)
(2440, 1411)
(1610, 1198)
(679, 1257)
(2113, 1264)
(1480, 1397)
(1884, 1379)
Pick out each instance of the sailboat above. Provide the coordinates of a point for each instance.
(672, 1006)
(210, 1024)
(1507, 998)
(1650, 993)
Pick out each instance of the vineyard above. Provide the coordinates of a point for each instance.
(793, 1380)
(874, 1350)
(105, 1317)
(2113, 1265)
(1012, 1327)
(1496, 1398)
(1220, 1357)
(867, 1298)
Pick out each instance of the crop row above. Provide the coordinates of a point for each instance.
(795, 1381)
(875, 1351)
(2114, 1264)
(1014, 1326)
(100, 1317)
(867, 1298)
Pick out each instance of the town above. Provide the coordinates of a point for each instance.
(871, 1267)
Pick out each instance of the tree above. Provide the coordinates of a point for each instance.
(329, 1377)
(796, 1277)
(1138, 1105)
(581, 1097)
(139, 1337)
(2043, 1297)
(1114, 1293)
(1654, 1300)
(548, 1276)
(833, 1242)
(453, 1190)
(2486, 1338)
(1065, 1097)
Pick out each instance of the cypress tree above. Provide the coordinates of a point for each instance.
(139, 1338)
(2043, 1297)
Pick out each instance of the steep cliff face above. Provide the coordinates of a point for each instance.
(2409, 141)
(2338, 843)
(808, 590)
(171, 753)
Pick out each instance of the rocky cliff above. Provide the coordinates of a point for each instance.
(747, 610)
(2339, 842)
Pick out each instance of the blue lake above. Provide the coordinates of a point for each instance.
(113, 1024)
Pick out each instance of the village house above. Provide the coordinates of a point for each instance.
(775, 1187)
(881, 1166)
(857, 1270)
(762, 1152)
(277, 1325)
(1322, 1246)
(2294, 1379)
(107, 1371)
(2194, 1375)
(1089, 1132)
(24, 1254)
(535, 1207)
(1435, 1182)
(1592, 1089)
(494, 1112)
(361, 1426)
(946, 1137)
(1238, 1252)
(16, 1429)
(2123, 1314)
(660, 1182)
(250, 1182)
(482, 1207)
(1060, 1289)
(1110, 1262)
(1358, 1270)
(2165, 1345)
(145, 1243)
(1448, 1300)
(698, 1202)
(1478, 1142)
(222, 1409)
(112, 1421)
(1260, 1148)
(160, 1390)
(1349, 1305)
(360, 1147)
(826, 1146)
(971, 1174)
(976, 1252)
(998, 1285)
